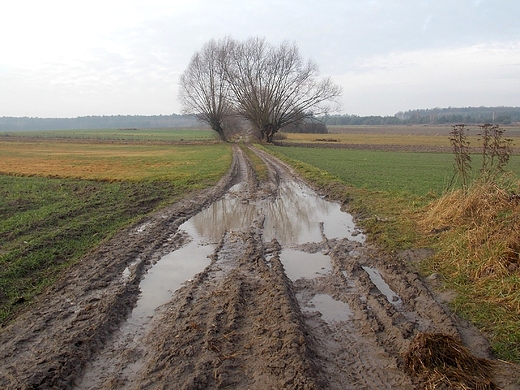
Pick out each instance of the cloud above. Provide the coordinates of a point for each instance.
(483, 74)
(123, 50)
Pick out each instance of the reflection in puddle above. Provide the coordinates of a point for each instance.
(382, 286)
(292, 218)
(304, 265)
(330, 309)
(168, 275)
(157, 288)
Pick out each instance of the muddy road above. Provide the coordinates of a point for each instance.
(247, 285)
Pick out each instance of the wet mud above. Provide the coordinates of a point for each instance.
(247, 285)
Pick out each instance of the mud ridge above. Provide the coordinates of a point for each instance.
(292, 297)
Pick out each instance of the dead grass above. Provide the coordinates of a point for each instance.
(108, 161)
(444, 363)
(477, 242)
(488, 220)
(372, 139)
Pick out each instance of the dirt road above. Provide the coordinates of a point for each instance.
(247, 285)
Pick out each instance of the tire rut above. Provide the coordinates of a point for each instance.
(245, 320)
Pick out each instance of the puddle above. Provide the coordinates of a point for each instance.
(157, 288)
(128, 270)
(385, 289)
(168, 275)
(330, 308)
(299, 264)
(292, 218)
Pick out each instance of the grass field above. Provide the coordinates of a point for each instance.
(121, 134)
(59, 199)
(111, 161)
(415, 173)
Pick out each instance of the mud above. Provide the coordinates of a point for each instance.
(290, 297)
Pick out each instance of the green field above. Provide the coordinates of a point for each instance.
(91, 191)
(394, 172)
(121, 134)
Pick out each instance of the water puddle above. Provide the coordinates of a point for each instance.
(385, 289)
(299, 264)
(330, 308)
(157, 288)
(131, 268)
(168, 275)
(292, 218)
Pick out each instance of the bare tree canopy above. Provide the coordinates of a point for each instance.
(203, 90)
(269, 86)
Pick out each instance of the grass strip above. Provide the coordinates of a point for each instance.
(258, 165)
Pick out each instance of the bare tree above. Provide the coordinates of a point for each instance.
(203, 89)
(271, 87)
(274, 87)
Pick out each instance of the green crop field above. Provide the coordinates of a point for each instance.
(416, 173)
(59, 199)
(121, 134)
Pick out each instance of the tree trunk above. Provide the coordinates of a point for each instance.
(220, 131)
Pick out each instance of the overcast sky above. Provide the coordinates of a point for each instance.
(124, 57)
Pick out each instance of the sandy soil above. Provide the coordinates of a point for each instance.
(244, 321)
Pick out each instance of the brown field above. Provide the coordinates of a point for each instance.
(409, 130)
(414, 138)
(105, 161)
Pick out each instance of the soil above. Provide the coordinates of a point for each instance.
(245, 321)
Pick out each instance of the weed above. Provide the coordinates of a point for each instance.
(460, 147)
(478, 253)
(496, 151)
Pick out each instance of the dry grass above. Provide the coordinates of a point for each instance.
(488, 220)
(107, 161)
(477, 251)
(400, 135)
(444, 363)
(372, 139)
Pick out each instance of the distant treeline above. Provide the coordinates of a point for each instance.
(499, 115)
(313, 127)
(99, 122)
